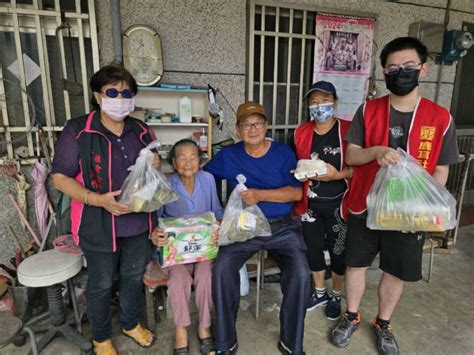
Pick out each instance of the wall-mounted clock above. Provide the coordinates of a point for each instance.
(142, 54)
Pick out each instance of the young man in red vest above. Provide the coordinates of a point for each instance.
(426, 131)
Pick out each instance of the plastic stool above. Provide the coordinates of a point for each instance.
(151, 285)
(49, 269)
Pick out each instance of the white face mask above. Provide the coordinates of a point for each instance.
(117, 109)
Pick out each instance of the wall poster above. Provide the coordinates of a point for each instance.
(342, 56)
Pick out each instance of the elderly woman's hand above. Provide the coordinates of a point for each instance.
(108, 202)
(251, 196)
(159, 237)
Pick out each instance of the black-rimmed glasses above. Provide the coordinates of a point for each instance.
(408, 67)
(248, 126)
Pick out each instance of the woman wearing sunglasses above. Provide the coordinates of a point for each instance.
(91, 162)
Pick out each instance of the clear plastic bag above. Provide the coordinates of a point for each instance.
(244, 281)
(405, 197)
(146, 189)
(241, 222)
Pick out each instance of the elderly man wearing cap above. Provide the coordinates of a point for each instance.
(320, 208)
(266, 165)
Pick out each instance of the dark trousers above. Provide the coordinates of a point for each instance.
(324, 228)
(129, 261)
(287, 248)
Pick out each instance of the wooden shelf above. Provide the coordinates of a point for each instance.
(167, 100)
(158, 124)
(155, 88)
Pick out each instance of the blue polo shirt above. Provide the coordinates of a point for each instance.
(270, 171)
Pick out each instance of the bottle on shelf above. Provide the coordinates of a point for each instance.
(185, 110)
(203, 141)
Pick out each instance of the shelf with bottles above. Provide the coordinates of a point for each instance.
(164, 103)
(177, 124)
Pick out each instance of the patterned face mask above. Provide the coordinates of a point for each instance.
(321, 113)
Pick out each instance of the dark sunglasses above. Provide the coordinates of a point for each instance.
(113, 93)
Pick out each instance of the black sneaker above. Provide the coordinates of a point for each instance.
(333, 308)
(386, 343)
(342, 332)
(316, 301)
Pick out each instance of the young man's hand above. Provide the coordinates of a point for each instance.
(386, 156)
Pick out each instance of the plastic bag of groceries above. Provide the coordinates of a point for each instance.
(240, 221)
(146, 189)
(405, 197)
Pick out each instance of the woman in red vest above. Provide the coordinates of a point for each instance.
(320, 208)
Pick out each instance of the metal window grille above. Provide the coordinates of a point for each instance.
(281, 51)
(35, 95)
(465, 138)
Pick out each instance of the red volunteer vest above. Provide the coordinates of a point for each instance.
(425, 140)
(303, 141)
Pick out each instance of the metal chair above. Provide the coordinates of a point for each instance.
(456, 184)
(258, 259)
(457, 180)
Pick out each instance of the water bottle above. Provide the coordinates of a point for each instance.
(185, 110)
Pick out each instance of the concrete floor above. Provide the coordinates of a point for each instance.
(432, 318)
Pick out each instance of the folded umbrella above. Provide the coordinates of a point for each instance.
(21, 187)
(39, 175)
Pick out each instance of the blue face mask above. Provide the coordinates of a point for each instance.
(321, 113)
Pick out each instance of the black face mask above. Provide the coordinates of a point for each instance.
(402, 83)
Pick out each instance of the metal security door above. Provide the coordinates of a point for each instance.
(46, 46)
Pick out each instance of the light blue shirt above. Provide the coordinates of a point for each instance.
(203, 198)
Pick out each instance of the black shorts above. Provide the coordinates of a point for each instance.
(400, 253)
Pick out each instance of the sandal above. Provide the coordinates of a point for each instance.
(104, 347)
(207, 345)
(181, 351)
(140, 336)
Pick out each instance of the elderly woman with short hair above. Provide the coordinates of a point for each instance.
(197, 194)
